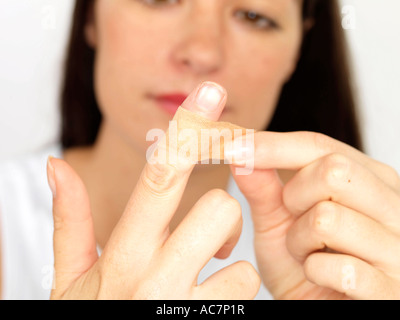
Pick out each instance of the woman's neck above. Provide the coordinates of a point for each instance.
(110, 170)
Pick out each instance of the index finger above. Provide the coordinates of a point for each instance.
(161, 185)
(295, 150)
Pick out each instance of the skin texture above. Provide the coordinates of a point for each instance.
(332, 231)
(165, 264)
(338, 211)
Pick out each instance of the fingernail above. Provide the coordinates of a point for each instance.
(51, 178)
(210, 96)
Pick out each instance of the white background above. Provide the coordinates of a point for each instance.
(33, 37)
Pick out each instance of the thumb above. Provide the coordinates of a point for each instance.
(263, 191)
(73, 240)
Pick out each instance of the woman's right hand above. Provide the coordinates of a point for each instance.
(142, 260)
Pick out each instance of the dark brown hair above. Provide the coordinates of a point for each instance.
(317, 98)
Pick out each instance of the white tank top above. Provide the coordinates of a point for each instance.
(27, 229)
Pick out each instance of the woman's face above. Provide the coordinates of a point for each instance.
(150, 54)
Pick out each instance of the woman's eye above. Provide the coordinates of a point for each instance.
(256, 20)
(159, 3)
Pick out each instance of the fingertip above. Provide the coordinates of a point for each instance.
(67, 183)
(65, 173)
(59, 173)
(254, 279)
(207, 100)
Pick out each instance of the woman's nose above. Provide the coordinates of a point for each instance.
(200, 47)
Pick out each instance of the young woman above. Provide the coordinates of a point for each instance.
(324, 216)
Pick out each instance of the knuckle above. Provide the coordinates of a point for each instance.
(116, 260)
(111, 266)
(217, 195)
(152, 289)
(233, 209)
(321, 141)
(335, 170)
(393, 177)
(231, 206)
(58, 222)
(158, 179)
(220, 198)
(324, 218)
(228, 208)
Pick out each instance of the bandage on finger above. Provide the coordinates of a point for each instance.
(195, 139)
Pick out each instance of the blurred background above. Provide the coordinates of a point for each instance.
(33, 35)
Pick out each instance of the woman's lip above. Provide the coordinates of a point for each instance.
(170, 102)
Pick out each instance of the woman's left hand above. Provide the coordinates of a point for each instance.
(333, 230)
